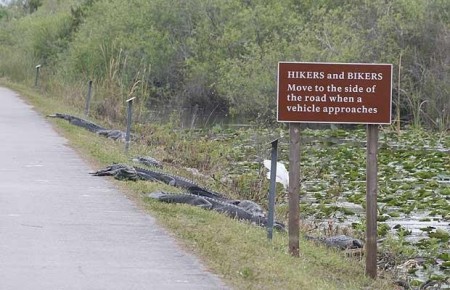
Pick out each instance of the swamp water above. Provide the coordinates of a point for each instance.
(413, 191)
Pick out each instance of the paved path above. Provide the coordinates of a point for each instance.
(61, 228)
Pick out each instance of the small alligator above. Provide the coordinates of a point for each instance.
(250, 206)
(92, 127)
(220, 205)
(113, 134)
(149, 161)
(119, 171)
(341, 242)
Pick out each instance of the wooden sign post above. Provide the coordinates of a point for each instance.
(371, 200)
(294, 189)
(343, 93)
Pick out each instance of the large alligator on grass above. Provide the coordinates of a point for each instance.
(78, 122)
(123, 172)
(92, 127)
(241, 210)
(126, 172)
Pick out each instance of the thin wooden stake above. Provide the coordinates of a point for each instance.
(88, 99)
(36, 80)
(294, 189)
(272, 189)
(371, 199)
(129, 119)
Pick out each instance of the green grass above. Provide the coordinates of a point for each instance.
(238, 252)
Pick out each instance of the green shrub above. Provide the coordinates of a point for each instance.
(223, 55)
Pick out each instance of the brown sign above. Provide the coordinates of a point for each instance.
(334, 93)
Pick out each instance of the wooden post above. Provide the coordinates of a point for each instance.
(88, 99)
(371, 201)
(294, 188)
(36, 80)
(129, 119)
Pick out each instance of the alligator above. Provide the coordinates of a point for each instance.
(92, 127)
(341, 242)
(78, 122)
(177, 181)
(156, 175)
(119, 171)
(227, 207)
(112, 134)
(250, 206)
(148, 161)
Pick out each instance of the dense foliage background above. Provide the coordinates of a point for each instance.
(221, 56)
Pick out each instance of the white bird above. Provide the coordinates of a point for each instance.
(282, 173)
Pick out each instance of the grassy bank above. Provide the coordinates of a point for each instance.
(236, 251)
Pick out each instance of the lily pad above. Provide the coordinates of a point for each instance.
(445, 265)
(382, 218)
(440, 234)
(394, 214)
(444, 256)
(427, 229)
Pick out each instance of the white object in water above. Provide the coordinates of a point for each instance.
(282, 173)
